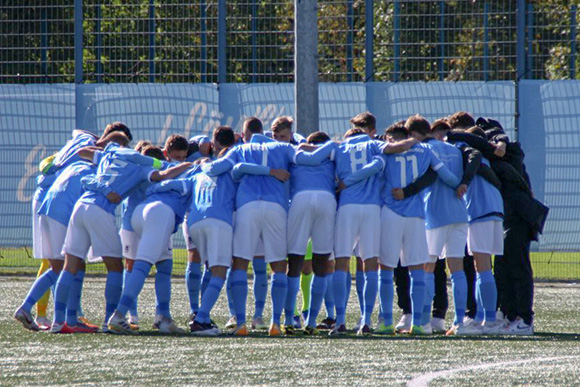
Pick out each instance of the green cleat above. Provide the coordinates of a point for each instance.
(309, 331)
(417, 331)
(382, 329)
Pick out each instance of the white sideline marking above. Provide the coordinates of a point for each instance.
(423, 380)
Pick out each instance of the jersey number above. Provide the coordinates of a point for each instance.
(358, 159)
(110, 170)
(414, 169)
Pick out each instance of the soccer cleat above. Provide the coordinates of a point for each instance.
(380, 321)
(134, 322)
(233, 322)
(296, 323)
(83, 320)
(203, 329)
(365, 330)
(43, 323)
(83, 328)
(309, 331)
(492, 327)
(385, 330)
(438, 325)
(427, 329)
(289, 330)
(327, 323)
(417, 330)
(118, 324)
(274, 330)
(464, 330)
(168, 326)
(242, 330)
(25, 319)
(518, 327)
(157, 320)
(258, 324)
(404, 324)
(358, 325)
(339, 330)
(60, 328)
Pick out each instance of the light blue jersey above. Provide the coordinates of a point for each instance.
(62, 196)
(178, 200)
(404, 168)
(351, 156)
(213, 197)
(484, 201)
(442, 206)
(312, 178)
(68, 154)
(43, 183)
(119, 173)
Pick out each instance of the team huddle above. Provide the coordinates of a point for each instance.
(420, 193)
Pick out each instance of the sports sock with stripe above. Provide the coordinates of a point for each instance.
(459, 287)
(317, 292)
(209, 298)
(133, 308)
(206, 277)
(429, 293)
(240, 294)
(39, 288)
(305, 286)
(134, 286)
(386, 294)
(260, 286)
(360, 286)
(163, 287)
(290, 301)
(278, 293)
(348, 287)
(480, 312)
(417, 294)
(229, 293)
(113, 289)
(329, 297)
(488, 291)
(339, 285)
(74, 299)
(62, 290)
(193, 284)
(370, 294)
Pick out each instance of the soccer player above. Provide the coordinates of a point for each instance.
(92, 223)
(358, 219)
(261, 204)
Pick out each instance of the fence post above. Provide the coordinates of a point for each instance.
(78, 41)
(441, 40)
(349, 40)
(99, 37)
(44, 43)
(203, 38)
(254, 40)
(222, 41)
(530, 54)
(486, 41)
(369, 40)
(520, 58)
(396, 38)
(573, 11)
(306, 65)
(152, 41)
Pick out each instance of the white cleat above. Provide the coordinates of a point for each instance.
(157, 321)
(167, 325)
(493, 327)
(259, 324)
(118, 324)
(25, 319)
(43, 323)
(404, 324)
(518, 327)
(465, 330)
(427, 329)
(232, 323)
(358, 325)
(438, 325)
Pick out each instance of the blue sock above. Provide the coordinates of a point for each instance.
(240, 294)
(61, 292)
(163, 287)
(488, 292)
(317, 292)
(479, 314)
(38, 288)
(417, 294)
(360, 286)
(429, 293)
(348, 286)
(205, 280)
(133, 308)
(260, 286)
(339, 285)
(290, 302)
(113, 290)
(278, 292)
(459, 286)
(134, 286)
(74, 299)
(229, 293)
(329, 297)
(193, 284)
(387, 294)
(370, 294)
(209, 298)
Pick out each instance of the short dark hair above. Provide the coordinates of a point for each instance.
(397, 129)
(354, 132)
(118, 126)
(364, 120)
(461, 120)
(418, 124)
(153, 151)
(282, 123)
(440, 124)
(176, 142)
(142, 144)
(224, 135)
(254, 125)
(118, 137)
(317, 138)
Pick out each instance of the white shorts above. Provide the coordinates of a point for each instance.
(447, 241)
(36, 230)
(358, 222)
(261, 219)
(52, 239)
(130, 242)
(90, 225)
(153, 224)
(259, 248)
(403, 238)
(485, 237)
(189, 245)
(311, 216)
(214, 240)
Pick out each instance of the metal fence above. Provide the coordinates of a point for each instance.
(175, 41)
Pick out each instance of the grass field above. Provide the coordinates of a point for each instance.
(547, 266)
(551, 357)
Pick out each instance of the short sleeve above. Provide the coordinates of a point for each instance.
(97, 157)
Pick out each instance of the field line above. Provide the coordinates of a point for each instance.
(423, 380)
